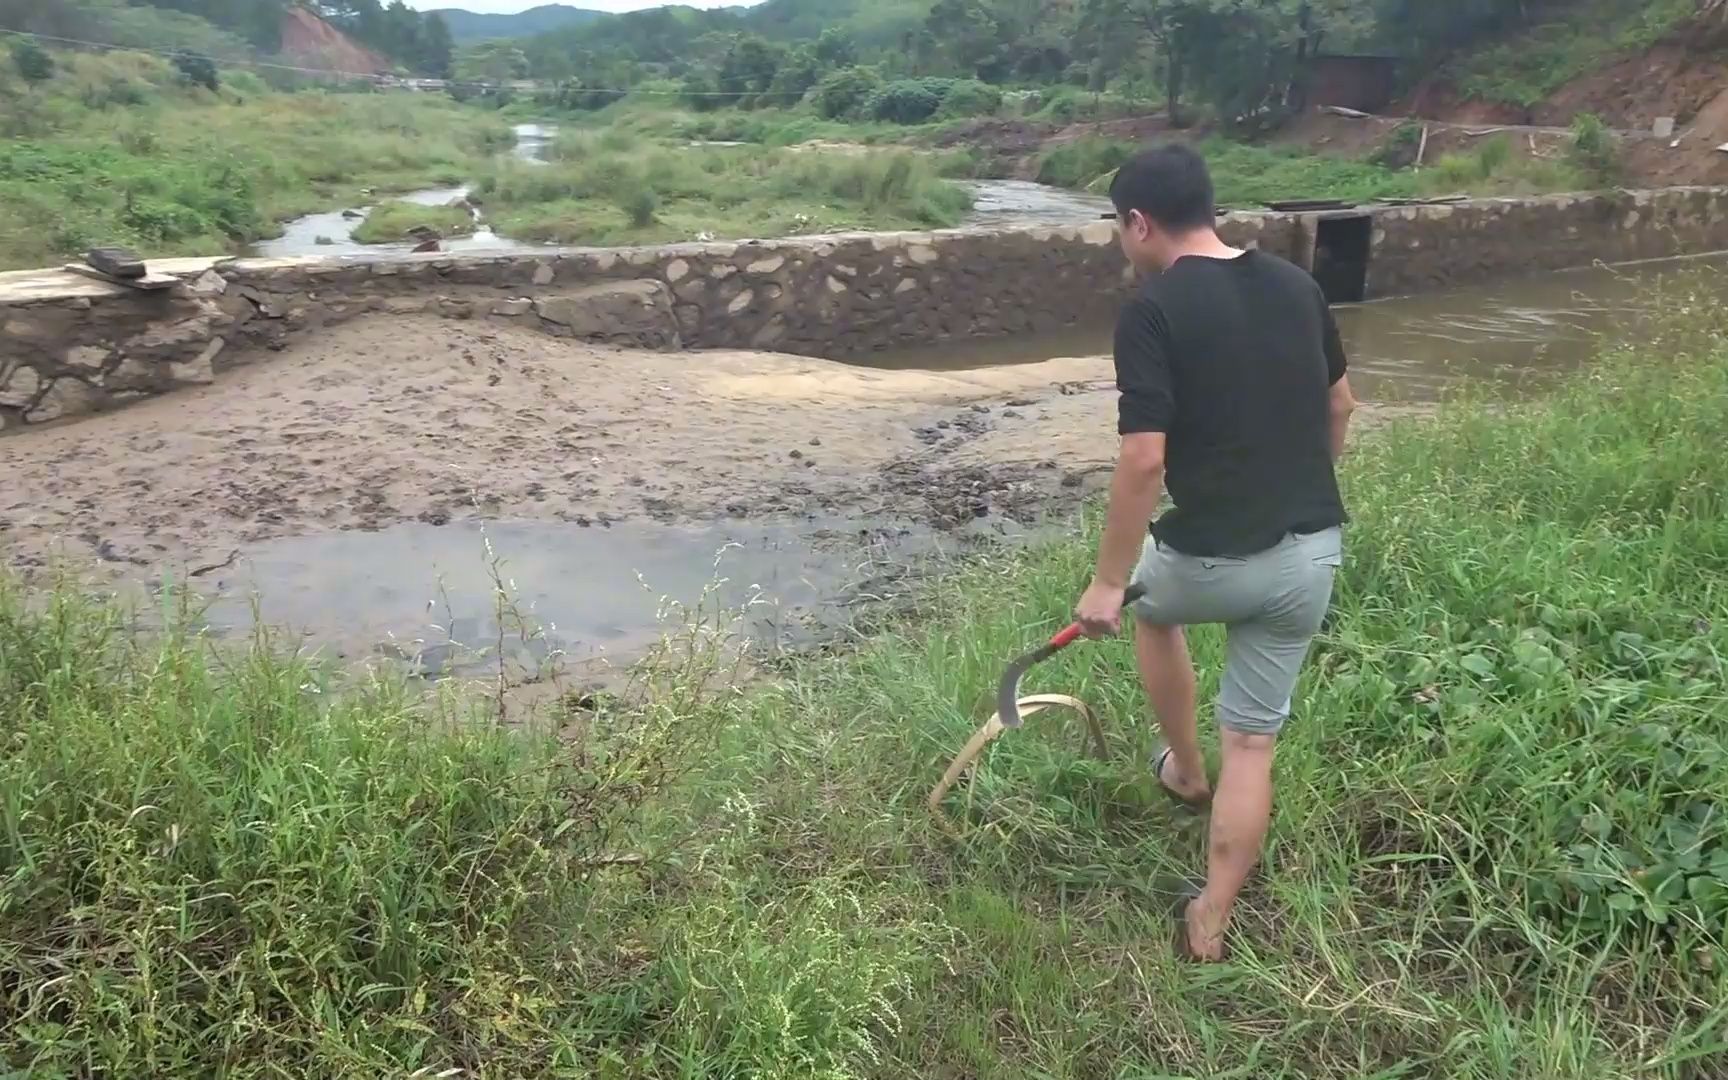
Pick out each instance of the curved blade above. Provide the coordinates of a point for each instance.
(1008, 690)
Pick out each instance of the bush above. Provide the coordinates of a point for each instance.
(908, 101)
(32, 61)
(969, 97)
(197, 70)
(1083, 162)
(640, 206)
(842, 95)
(1399, 151)
(1594, 150)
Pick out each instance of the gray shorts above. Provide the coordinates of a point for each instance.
(1272, 603)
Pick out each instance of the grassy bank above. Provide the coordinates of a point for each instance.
(1499, 848)
(614, 188)
(395, 220)
(119, 149)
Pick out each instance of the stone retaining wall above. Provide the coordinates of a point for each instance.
(70, 345)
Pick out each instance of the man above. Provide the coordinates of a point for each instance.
(1234, 394)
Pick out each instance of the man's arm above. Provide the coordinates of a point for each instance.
(1135, 489)
(1146, 413)
(1341, 404)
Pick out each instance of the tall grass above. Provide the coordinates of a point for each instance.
(592, 191)
(1499, 847)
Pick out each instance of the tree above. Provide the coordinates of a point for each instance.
(32, 61)
(749, 66)
(436, 48)
(836, 49)
(966, 32)
(491, 62)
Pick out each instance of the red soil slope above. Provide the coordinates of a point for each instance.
(309, 41)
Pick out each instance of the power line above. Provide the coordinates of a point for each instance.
(369, 75)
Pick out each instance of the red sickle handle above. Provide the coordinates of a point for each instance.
(1071, 634)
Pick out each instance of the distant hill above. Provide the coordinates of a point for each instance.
(476, 26)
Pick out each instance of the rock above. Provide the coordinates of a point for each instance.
(87, 358)
(209, 283)
(766, 266)
(428, 245)
(425, 232)
(452, 308)
(677, 270)
(624, 312)
(175, 338)
(512, 308)
(722, 271)
(20, 387)
(689, 319)
(65, 397)
(116, 262)
(543, 274)
(352, 215)
(200, 370)
(835, 285)
(740, 302)
(906, 285)
(404, 305)
(39, 325)
(921, 254)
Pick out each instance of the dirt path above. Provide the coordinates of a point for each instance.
(396, 419)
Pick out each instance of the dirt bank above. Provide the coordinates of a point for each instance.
(402, 419)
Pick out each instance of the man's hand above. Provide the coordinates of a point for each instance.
(1100, 610)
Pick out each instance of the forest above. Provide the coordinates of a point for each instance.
(1239, 58)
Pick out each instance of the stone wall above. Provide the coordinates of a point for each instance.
(70, 345)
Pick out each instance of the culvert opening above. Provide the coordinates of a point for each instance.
(1342, 249)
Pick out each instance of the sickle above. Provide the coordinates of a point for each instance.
(1008, 690)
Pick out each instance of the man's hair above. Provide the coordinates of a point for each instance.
(1169, 184)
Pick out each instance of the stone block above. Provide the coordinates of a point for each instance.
(766, 266)
(623, 312)
(511, 308)
(19, 387)
(87, 359)
(543, 274)
(64, 397)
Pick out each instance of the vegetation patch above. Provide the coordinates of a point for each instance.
(396, 220)
(595, 195)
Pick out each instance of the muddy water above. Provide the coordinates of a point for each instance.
(594, 598)
(1513, 336)
(1021, 202)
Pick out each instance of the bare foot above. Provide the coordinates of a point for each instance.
(1194, 790)
(1206, 926)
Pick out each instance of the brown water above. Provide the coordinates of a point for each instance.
(1513, 336)
(602, 595)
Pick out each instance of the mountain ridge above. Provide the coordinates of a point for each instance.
(470, 26)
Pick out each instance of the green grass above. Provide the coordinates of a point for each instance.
(1530, 66)
(1499, 847)
(1244, 175)
(593, 193)
(393, 219)
(116, 150)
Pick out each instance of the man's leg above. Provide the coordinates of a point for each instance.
(1168, 674)
(1241, 812)
(1263, 659)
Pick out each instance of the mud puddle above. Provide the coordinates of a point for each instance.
(556, 598)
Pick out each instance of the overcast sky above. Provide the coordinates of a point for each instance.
(595, 5)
